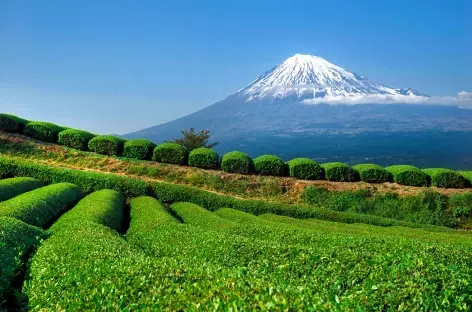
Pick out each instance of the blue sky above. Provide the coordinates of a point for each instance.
(119, 66)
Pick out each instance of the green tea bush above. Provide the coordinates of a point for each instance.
(237, 162)
(270, 165)
(105, 207)
(445, 178)
(340, 172)
(316, 196)
(171, 193)
(43, 131)
(107, 145)
(13, 124)
(41, 206)
(372, 173)
(205, 158)
(16, 240)
(139, 149)
(305, 169)
(74, 138)
(468, 176)
(170, 153)
(408, 175)
(10, 188)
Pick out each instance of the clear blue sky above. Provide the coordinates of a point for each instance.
(118, 66)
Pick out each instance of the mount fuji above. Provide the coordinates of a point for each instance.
(307, 106)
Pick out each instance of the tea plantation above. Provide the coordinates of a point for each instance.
(71, 248)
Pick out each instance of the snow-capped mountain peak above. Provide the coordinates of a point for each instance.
(309, 76)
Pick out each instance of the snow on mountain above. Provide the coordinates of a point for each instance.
(312, 77)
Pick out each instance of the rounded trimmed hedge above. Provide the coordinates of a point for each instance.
(237, 162)
(305, 169)
(74, 138)
(468, 176)
(408, 175)
(445, 178)
(12, 123)
(107, 145)
(372, 173)
(339, 172)
(139, 149)
(270, 165)
(170, 153)
(205, 158)
(43, 131)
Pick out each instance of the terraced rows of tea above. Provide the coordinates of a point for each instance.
(64, 250)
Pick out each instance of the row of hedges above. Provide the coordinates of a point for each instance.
(233, 162)
(40, 206)
(10, 188)
(170, 193)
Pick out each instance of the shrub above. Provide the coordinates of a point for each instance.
(445, 178)
(372, 173)
(338, 171)
(460, 206)
(237, 162)
(43, 131)
(408, 175)
(139, 149)
(103, 207)
(305, 169)
(170, 193)
(74, 138)
(205, 158)
(170, 153)
(11, 123)
(16, 240)
(10, 188)
(468, 176)
(270, 165)
(41, 206)
(107, 145)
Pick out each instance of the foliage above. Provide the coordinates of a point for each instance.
(237, 162)
(170, 153)
(74, 138)
(170, 193)
(205, 158)
(10, 188)
(107, 145)
(102, 207)
(461, 205)
(270, 165)
(305, 169)
(43, 131)
(372, 173)
(468, 176)
(41, 206)
(338, 171)
(16, 240)
(445, 178)
(227, 259)
(11, 123)
(408, 175)
(192, 140)
(139, 149)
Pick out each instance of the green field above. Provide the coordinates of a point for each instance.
(112, 251)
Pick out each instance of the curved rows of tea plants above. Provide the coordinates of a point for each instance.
(233, 162)
(184, 257)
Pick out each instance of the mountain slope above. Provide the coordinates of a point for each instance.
(273, 114)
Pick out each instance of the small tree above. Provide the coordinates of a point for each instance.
(192, 140)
